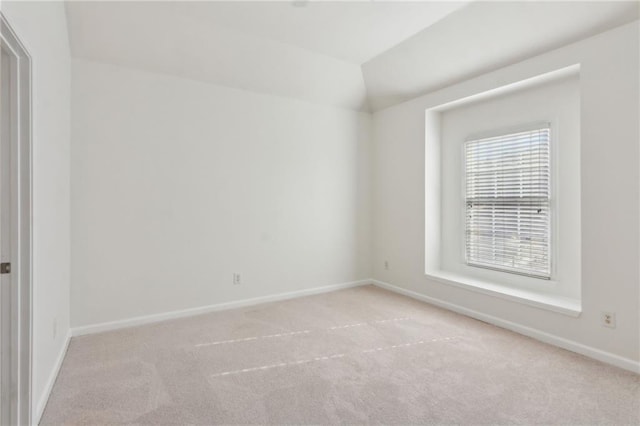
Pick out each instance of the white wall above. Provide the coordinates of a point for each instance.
(42, 28)
(609, 108)
(178, 184)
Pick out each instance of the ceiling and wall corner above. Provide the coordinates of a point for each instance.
(483, 37)
(152, 36)
(311, 53)
(356, 55)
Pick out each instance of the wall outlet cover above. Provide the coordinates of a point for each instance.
(608, 319)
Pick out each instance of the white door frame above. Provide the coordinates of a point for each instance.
(20, 347)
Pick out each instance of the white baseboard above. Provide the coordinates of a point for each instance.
(591, 352)
(42, 402)
(148, 319)
(600, 355)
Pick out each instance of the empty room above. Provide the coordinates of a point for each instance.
(319, 212)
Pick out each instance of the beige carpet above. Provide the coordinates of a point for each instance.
(362, 355)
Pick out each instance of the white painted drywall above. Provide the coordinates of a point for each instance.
(557, 103)
(172, 38)
(609, 111)
(178, 184)
(482, 37)
(43, 30)
(352, 31)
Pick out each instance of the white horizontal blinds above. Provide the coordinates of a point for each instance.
(508, 202)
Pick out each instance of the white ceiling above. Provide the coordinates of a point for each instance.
(358, 55)
(171, 38)
(353, 31)
(482, 37)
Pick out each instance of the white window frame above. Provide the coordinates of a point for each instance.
(563, 294)
(546, 281)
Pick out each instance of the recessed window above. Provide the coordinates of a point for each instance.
(508, 202)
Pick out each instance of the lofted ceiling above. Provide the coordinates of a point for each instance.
(352, 31)
(358, 55)
(483, 37)
(307, 50)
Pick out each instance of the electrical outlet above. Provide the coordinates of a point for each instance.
(55, 328)
(386, 265)
(608, 319)
(236, 278)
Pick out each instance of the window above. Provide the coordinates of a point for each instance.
(507, 198)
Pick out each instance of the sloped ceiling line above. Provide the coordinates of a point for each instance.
(354, 55)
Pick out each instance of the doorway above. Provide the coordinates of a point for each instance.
(15, 229)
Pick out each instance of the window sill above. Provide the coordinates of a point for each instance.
(550, 302)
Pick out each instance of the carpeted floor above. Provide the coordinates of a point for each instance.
(362, 355)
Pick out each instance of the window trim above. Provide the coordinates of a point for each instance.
(553, 212)
(542, 300)
(568, 282)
